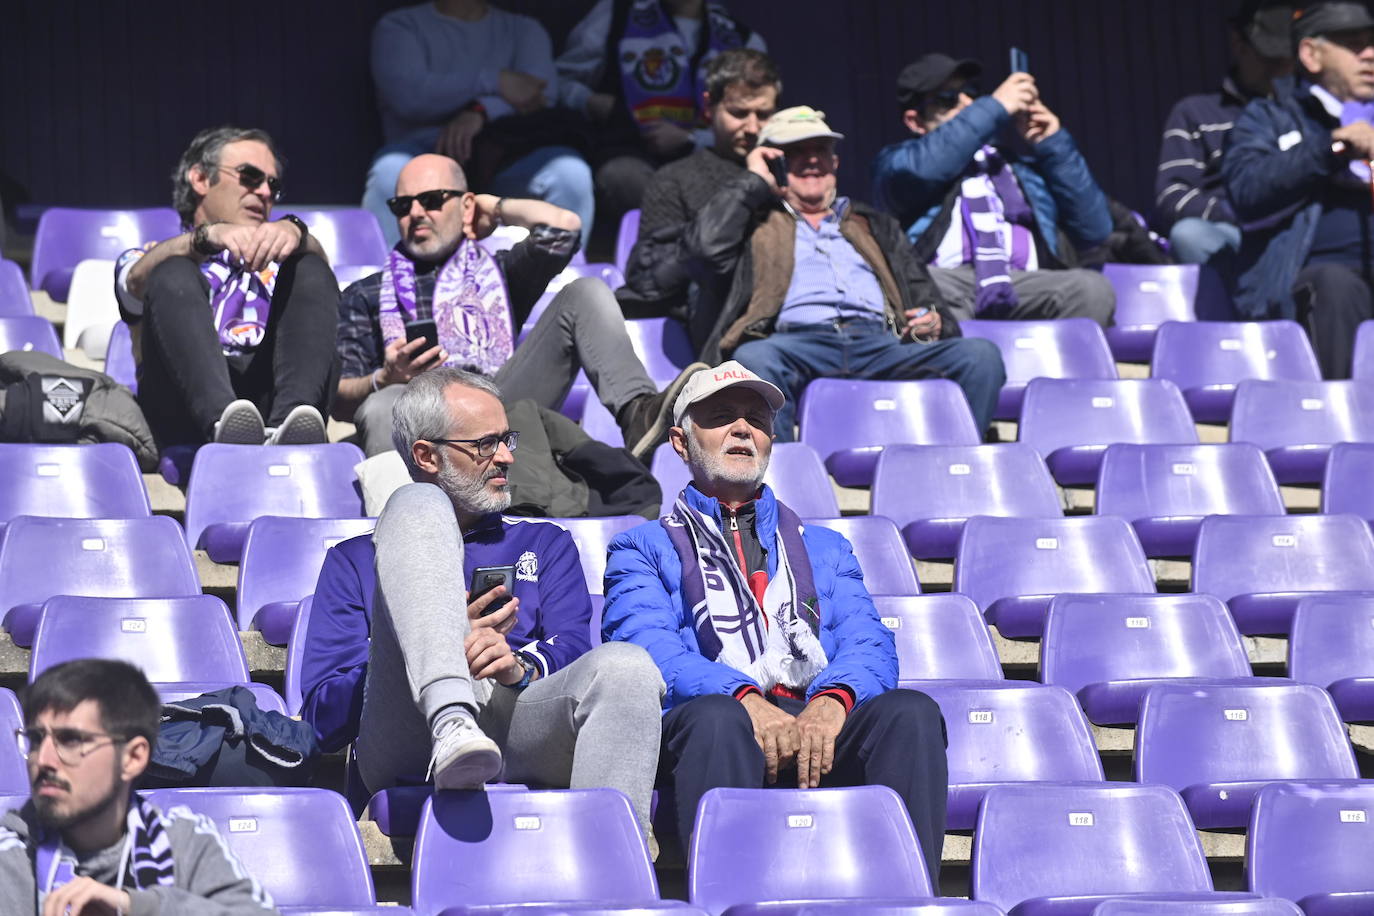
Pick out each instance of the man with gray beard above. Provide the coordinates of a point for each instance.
(466, 687)
(778, 669)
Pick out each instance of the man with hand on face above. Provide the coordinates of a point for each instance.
(773, 653)
(994, 196)
(86, 844)
(233, 319)
(797, 282)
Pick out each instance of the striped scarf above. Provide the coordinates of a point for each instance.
(991, 200)
(148, 853)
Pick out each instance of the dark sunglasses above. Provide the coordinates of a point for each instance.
(252, 177)
(430, 200)
(943, 101)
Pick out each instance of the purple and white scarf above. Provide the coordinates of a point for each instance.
(147, 855)
(471, 307)
(990, 199)
(241, 302)
(729, 623)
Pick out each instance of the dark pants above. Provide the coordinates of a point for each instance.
(896, 740)
(1332, 301)
(184, 379)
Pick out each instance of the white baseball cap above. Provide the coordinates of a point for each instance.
(730, 374)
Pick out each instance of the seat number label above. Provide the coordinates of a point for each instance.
(884, 404)
(892, 623)
(1229, 343)
(1352, 816)
(1236, 715)
(805, 821)
(1137, 623)
(243, 825)
(980, 717)
(92, 543)
(1080, 818)
(1047, 543)
(279, 470)
(1184, 469)
(1285, 540)
(1103, 401)
(960, 470)
(1311, 403)
(1025, 343)
(527, 822)
(133, 625)
(1150, 286)
(48, 470)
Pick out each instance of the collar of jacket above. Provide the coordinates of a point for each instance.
(765, 512)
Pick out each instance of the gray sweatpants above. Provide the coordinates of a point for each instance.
(581, 329)
(1042, 293)
(594, 723)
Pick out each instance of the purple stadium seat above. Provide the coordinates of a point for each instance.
(119, 357)
(191, 638)
(598, 422)
(1345, 486)
(849, 421)
(96, 480)
(930, 491)
(662, 346)
(267, 699)
(1260, 565)
(233, 484)
(302, 845)
(1072, 421)
(939, 637)
(1012, 567)
(1006, 734)
(664, 907)
(1110, 649)
(591, 535)
(1217, 745)
(879, 549)
(1066, 348)
(280, 566)
(742, 834)
(295, 656)
(14, 291)
(1147, 295)
(348, 236)
(66, 237)
(111, 558)
(1296, 423)
(910, 906)
(1312, 843)
(14, 773)
(625, 238)
(1145, 906)
(1332, 645)
(29, 333)
(1165, 491)
(795, 473)
(529, 847)
(1206, 359)
(1362, 369)
(1062, 849)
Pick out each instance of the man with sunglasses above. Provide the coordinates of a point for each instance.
(995, 196)
(476, 300)
(458, 685)
(86, 843)
(233, 320)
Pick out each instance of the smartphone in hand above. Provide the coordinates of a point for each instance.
(778, 167)
(423, 328)
(486, 578)
(1020, 61)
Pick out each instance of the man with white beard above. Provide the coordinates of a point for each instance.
(778, 669)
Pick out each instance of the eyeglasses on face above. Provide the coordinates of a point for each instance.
(430, 200)
(487, 445)
(72, 744)
(947, 99)
(252, 177)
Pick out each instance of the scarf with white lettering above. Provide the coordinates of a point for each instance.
(241, 301)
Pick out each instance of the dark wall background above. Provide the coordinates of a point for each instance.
(97, 100)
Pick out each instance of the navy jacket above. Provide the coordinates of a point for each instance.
(917, 180)
(194, 731)
(1188, 182)
(553, 624)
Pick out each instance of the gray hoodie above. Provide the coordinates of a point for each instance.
(210, 881)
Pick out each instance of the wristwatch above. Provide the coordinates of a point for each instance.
(299, 224)
(530, 669)
(201, 244)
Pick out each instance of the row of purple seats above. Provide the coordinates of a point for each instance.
(29, 333)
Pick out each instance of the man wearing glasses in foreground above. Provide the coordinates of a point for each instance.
(994, 196)
(233, 320)
(460, 683)
(85, 843)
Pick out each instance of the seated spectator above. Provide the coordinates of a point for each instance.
(799, 283)
(460, 686)
(232, 319)
(85, 842)
(994, 195)
(1296, 171)
(777, 667)
(741, 94)
(479, 294)
(1190, 200)
(467, 80)
(638, 69)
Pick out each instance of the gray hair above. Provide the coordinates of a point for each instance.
(203, 154)
(421, 412)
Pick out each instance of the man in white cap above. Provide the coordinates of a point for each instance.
(797, 282)
(778, 668)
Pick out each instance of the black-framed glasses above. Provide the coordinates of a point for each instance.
(947, 99)
(487, 445)
(430, 200)
(71, 744)
(252, 177)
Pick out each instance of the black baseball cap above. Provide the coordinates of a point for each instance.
(1267, 26)
(928, 73)
(1324, 18)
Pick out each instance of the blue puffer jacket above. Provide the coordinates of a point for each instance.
(915, 180)
(1278, 160)
(644, 606)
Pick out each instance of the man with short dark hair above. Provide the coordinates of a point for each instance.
(86, 843)
(994, 196)
(233, 320)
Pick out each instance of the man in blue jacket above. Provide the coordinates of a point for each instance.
(778, 669)
(458, 686)
(1297, 172)
(994, 195)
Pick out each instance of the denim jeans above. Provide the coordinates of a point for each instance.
(1196, 241)
(796, 354)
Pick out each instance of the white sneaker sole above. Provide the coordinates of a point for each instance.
(477, 764)
(302, 426)
(240, 424)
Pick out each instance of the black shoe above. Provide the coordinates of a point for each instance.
(644, 421)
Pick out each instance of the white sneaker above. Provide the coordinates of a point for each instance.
(240, 424)
(463, 757)
(302, 426)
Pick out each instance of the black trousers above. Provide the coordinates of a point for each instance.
(895, 740)
(1332, 301)
(185, 381)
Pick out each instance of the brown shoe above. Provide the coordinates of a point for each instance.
(644, 422)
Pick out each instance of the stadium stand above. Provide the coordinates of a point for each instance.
(96, 480)
(1064, 348)
(1331, 645)
(1207, 359)
(939, 637)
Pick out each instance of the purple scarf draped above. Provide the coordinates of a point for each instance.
(983, 216)
(241, 302)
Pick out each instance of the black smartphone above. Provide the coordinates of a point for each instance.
(1020, 61)
(486, 578)
(778, 167)
(424, 328)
